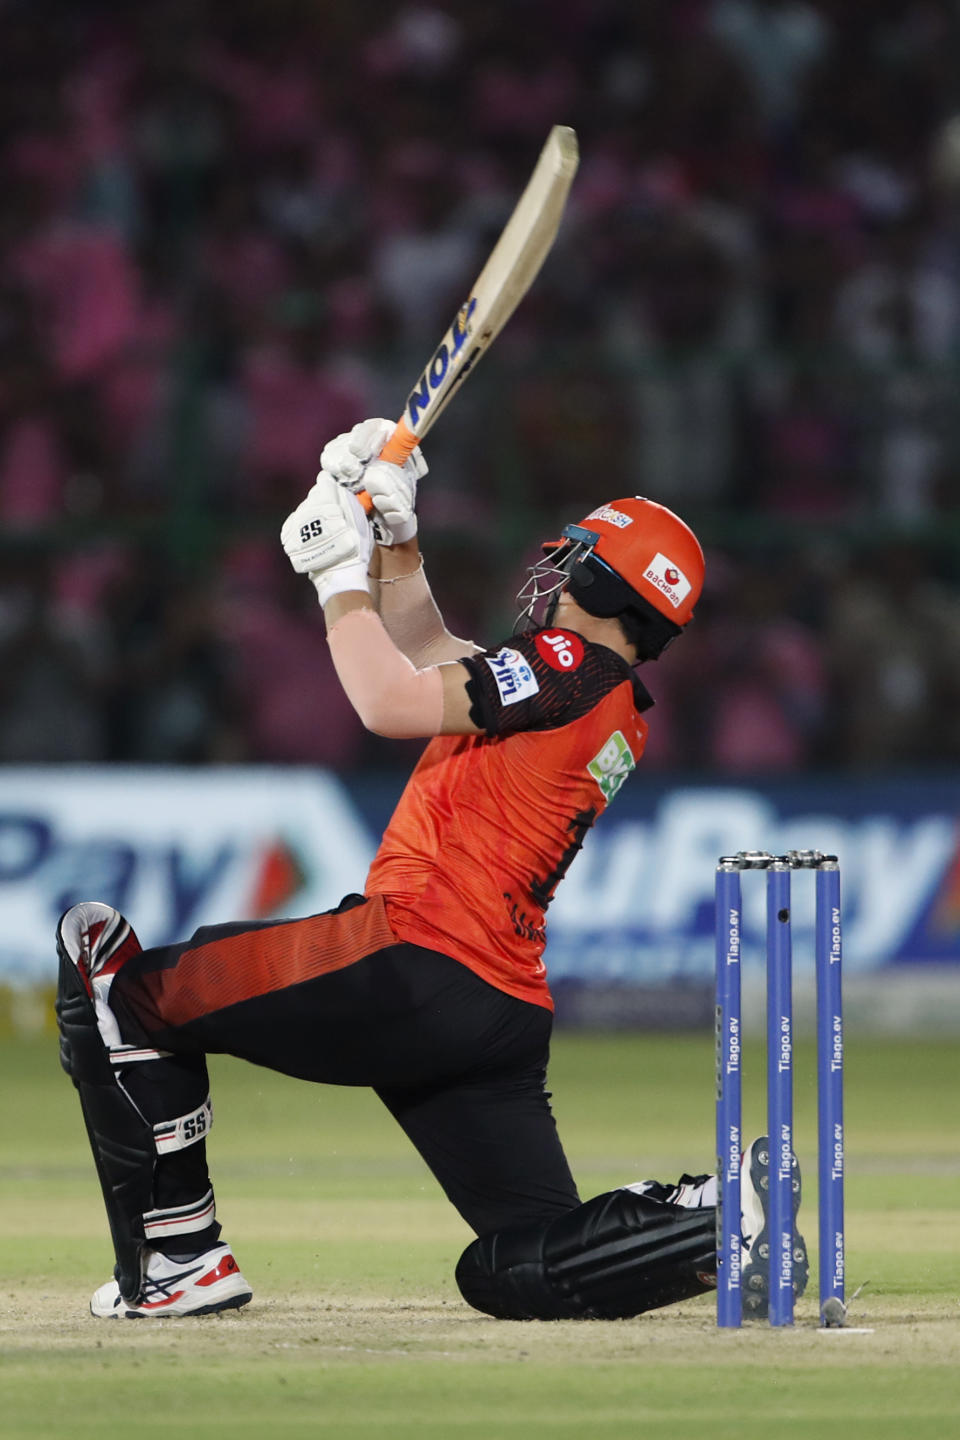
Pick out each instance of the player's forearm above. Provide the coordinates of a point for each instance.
(410, 614)
(339, 605)
(396, 561)
(392, 696)
(392, 561)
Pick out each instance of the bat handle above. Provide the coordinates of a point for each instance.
(396, 450)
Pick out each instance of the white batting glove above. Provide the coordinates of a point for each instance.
(348, 455)
(393, 490)
(351, 458)
(329, 538)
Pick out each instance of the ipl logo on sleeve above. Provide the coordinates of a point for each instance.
(515, 679)
(611, 765)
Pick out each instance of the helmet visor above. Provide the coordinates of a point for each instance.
(571, 536)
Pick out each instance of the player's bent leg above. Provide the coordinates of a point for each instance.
(613, 1257)
(147, 1113)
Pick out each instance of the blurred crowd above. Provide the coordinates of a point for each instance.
(230, 230)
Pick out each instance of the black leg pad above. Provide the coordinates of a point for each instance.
(616, 1256)
(121, 1139)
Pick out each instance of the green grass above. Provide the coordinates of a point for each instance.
(357, 1329)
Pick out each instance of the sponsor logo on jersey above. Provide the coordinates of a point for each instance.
(515, 680)
(611, 765)
(561, 649)
(668, 578)
(612, 516)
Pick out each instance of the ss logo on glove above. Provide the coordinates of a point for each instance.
(313, 531)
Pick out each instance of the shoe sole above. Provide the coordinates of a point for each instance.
(755, 1277)
(232, 1302)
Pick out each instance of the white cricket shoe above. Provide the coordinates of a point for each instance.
(755, 1230)
(202, 1286)
(693, 1192)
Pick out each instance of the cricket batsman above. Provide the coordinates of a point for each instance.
(430, 987)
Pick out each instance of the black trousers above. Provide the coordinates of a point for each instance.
(458, 1063)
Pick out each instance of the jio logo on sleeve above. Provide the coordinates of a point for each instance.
(561, 649)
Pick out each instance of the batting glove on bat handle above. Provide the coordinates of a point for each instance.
(398, 448)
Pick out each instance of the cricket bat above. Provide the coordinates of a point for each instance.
(502, 283)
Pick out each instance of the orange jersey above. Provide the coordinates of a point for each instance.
(488, 824)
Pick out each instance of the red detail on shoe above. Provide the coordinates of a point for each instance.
(227, 1266)
(159, 1304)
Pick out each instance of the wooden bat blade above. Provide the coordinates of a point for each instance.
(510, 270)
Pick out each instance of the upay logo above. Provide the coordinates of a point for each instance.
(560, 649)
(669, 579)
(611, 766)
(515, 680)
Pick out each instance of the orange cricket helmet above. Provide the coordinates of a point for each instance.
(630, 558)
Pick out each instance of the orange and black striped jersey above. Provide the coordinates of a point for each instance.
(488, 824)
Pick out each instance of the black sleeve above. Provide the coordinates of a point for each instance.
(541, 680)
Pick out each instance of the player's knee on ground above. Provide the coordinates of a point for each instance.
(616, 1256)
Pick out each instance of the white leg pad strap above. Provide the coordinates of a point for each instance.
(170, 1135)
(180, 1219)
(133, 1054)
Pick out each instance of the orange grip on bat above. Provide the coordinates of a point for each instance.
(396, 450)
